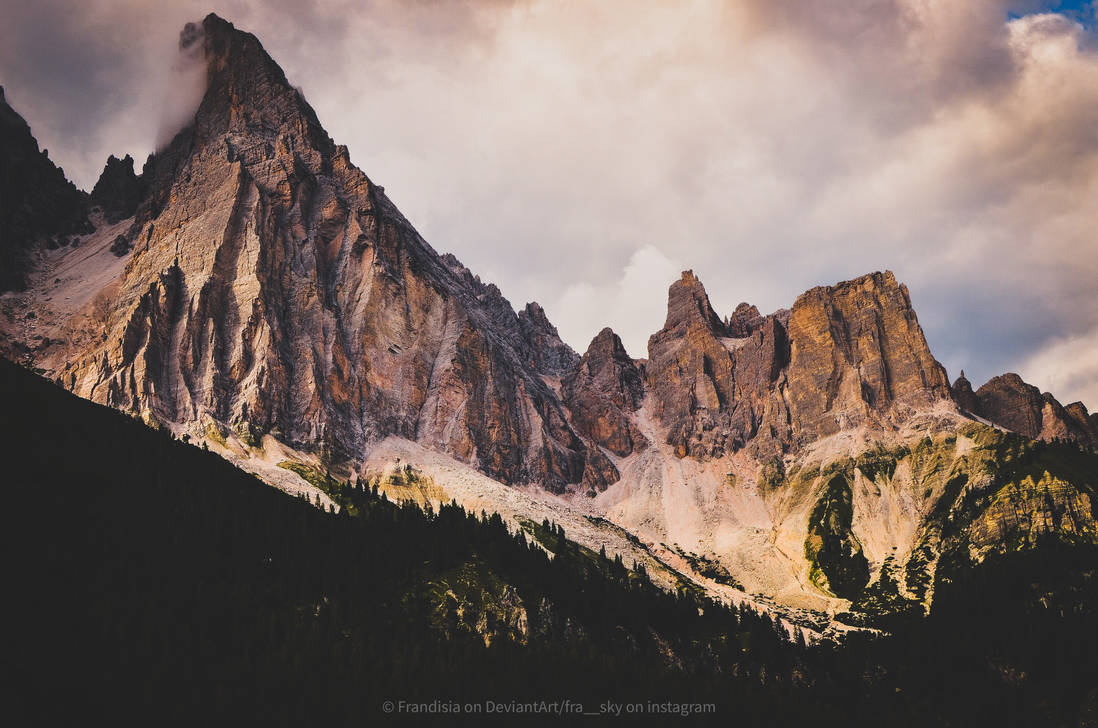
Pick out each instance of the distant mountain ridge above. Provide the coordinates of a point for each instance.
(252, 288)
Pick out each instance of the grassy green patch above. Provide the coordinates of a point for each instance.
(835, 555)
(215, 433)
(249, 434)
(771, 473)
(879, 464)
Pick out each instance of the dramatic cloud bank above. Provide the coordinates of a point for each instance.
(581, 153)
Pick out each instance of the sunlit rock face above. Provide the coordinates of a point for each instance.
(844, 356)
(857, 354)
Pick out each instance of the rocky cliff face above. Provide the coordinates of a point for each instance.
(963, 394)
(118, 191)
(858, 355)
(1008, 401)
(844, 356)
(544, 350)
(601, 393)
(38, 205)
(744, 321)
(274, 288)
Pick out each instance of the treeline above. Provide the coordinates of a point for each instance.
(154, 581)
(151, 581)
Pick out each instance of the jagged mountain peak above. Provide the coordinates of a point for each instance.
(546, 352)
(601, 391)
(857, 352)
(744, 320)
(885, 279)
(118, 191)
(38, 205)
(246, 90)
(606, 340)
(688, 305)
(273, 289)
(963, 394)
(606, 358)
(1010, 402)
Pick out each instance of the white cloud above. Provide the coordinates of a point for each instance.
(1068, 367)
(634, 304)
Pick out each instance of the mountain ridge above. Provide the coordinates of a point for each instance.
(254, 289)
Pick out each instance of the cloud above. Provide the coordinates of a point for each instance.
(626, 304)
(1066, 367)
(186, 85)
(567, 149)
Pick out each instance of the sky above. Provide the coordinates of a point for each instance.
(582, 154)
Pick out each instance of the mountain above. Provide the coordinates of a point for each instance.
(844, 356)
(274, 288)
(38, 205)
(253, 290)
(1010, 402)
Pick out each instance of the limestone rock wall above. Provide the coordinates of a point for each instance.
(273, 287)
(844, 356)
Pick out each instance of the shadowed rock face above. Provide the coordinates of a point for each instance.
(545, 352)
(36, 200)
(118, 191)
(744, 321)
(601, 392)
(274, 287)
(689, 370)
(1008, 401)
(963, 394)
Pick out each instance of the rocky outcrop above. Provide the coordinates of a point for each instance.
(273, 287)
(857, 352)
(1058, 423)
(602, 391)
(544, 350)
(1008, 401)
(1078, 412)
(689, 370)
(38, 205)
(744, 321)
(118, 191)
(715, 392)
(845, 355)
(963, 394)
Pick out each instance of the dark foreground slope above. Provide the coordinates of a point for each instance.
(154, 581)
(149, 580)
